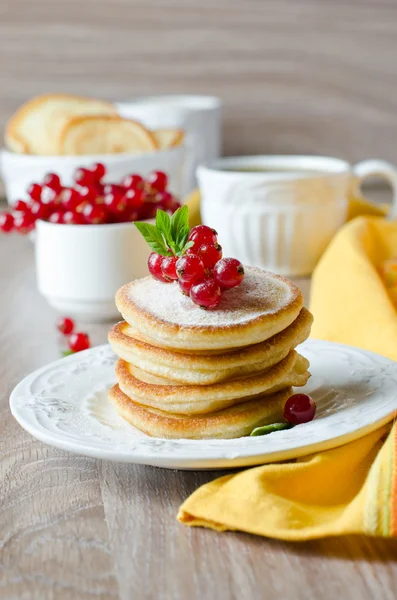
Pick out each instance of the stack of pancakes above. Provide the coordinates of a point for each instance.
(184, 372)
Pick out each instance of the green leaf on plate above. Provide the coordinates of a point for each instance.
(153, 237)
(265, 429)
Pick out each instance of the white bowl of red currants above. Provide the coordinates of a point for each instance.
(20, 170)
(86, 243)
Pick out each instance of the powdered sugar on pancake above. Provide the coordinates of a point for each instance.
(260, 293)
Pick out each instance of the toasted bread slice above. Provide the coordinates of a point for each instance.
(36, 126)
(169, 138)
(105, 135)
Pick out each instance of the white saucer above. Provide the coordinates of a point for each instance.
(65, 405)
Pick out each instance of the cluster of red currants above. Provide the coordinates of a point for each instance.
(77, 340)
(201, 272)
(90, 201)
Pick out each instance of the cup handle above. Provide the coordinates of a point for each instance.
(367, 168)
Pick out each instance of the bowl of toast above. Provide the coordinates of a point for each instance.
(60, 132)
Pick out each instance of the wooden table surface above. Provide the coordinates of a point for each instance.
(77, 528)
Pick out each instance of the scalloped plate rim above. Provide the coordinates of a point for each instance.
(168, 459)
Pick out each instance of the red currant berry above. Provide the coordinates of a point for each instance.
(112, 188)
(175, 206)
(154, 265)
(88, 193)
(23, 223)
(190, 268)
(147, 211)
(70, 199)
(65, 325)
(228, 272)
(34, 191)
(94, 214)
(134, 198)
(73, 218)
(165, 200)
(40, 211)
(52, 181)
(185, 287)
(210, 254)
(6, 222)
(157, 180)
(206, 294)
(84, 176)
(78, 342)
(21, 206)
(49, 196)
(115, 202)
(56, 217)
(98, 170)
(299, 408)
(168, 268)
(133, 181)
(201, 234)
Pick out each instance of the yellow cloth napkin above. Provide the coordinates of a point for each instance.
(350, 489)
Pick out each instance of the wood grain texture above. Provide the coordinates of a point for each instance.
(307, 76)
(76, 528)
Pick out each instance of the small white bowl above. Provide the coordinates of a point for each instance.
(79, 268)
(20, 170)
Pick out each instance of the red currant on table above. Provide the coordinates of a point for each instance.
(73, 218)
(201, 234)
(157, 180)
(23, 223)
(168, 268)
(21, 206)
(134, 198)
(299, 408)
(78, 342)
(206, 294)
(210, 254)
(98, 170)
(94, 214)
(190, 267)
(56, 217)
(6, 222)
(133, 181)
(84, 176)
(228, 272)
(34, 191)
(65, 325)
(52, 181)
(154, 265)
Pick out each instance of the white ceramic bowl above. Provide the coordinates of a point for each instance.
(79, 268)
(282, 216)
(199, 116)
(20, 170)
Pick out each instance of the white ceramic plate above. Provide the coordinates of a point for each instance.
(65, 405)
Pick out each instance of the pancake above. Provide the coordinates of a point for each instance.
(233, 422)
(262, 306)
(206, 370)
(193, 399)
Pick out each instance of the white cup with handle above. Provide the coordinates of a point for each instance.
(199, 116)
(281, 212)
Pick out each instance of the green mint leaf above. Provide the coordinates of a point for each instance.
(186, 247)
(163, 224)
(153, 237)
(67, 352)
(179, 220)
(265, 429)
